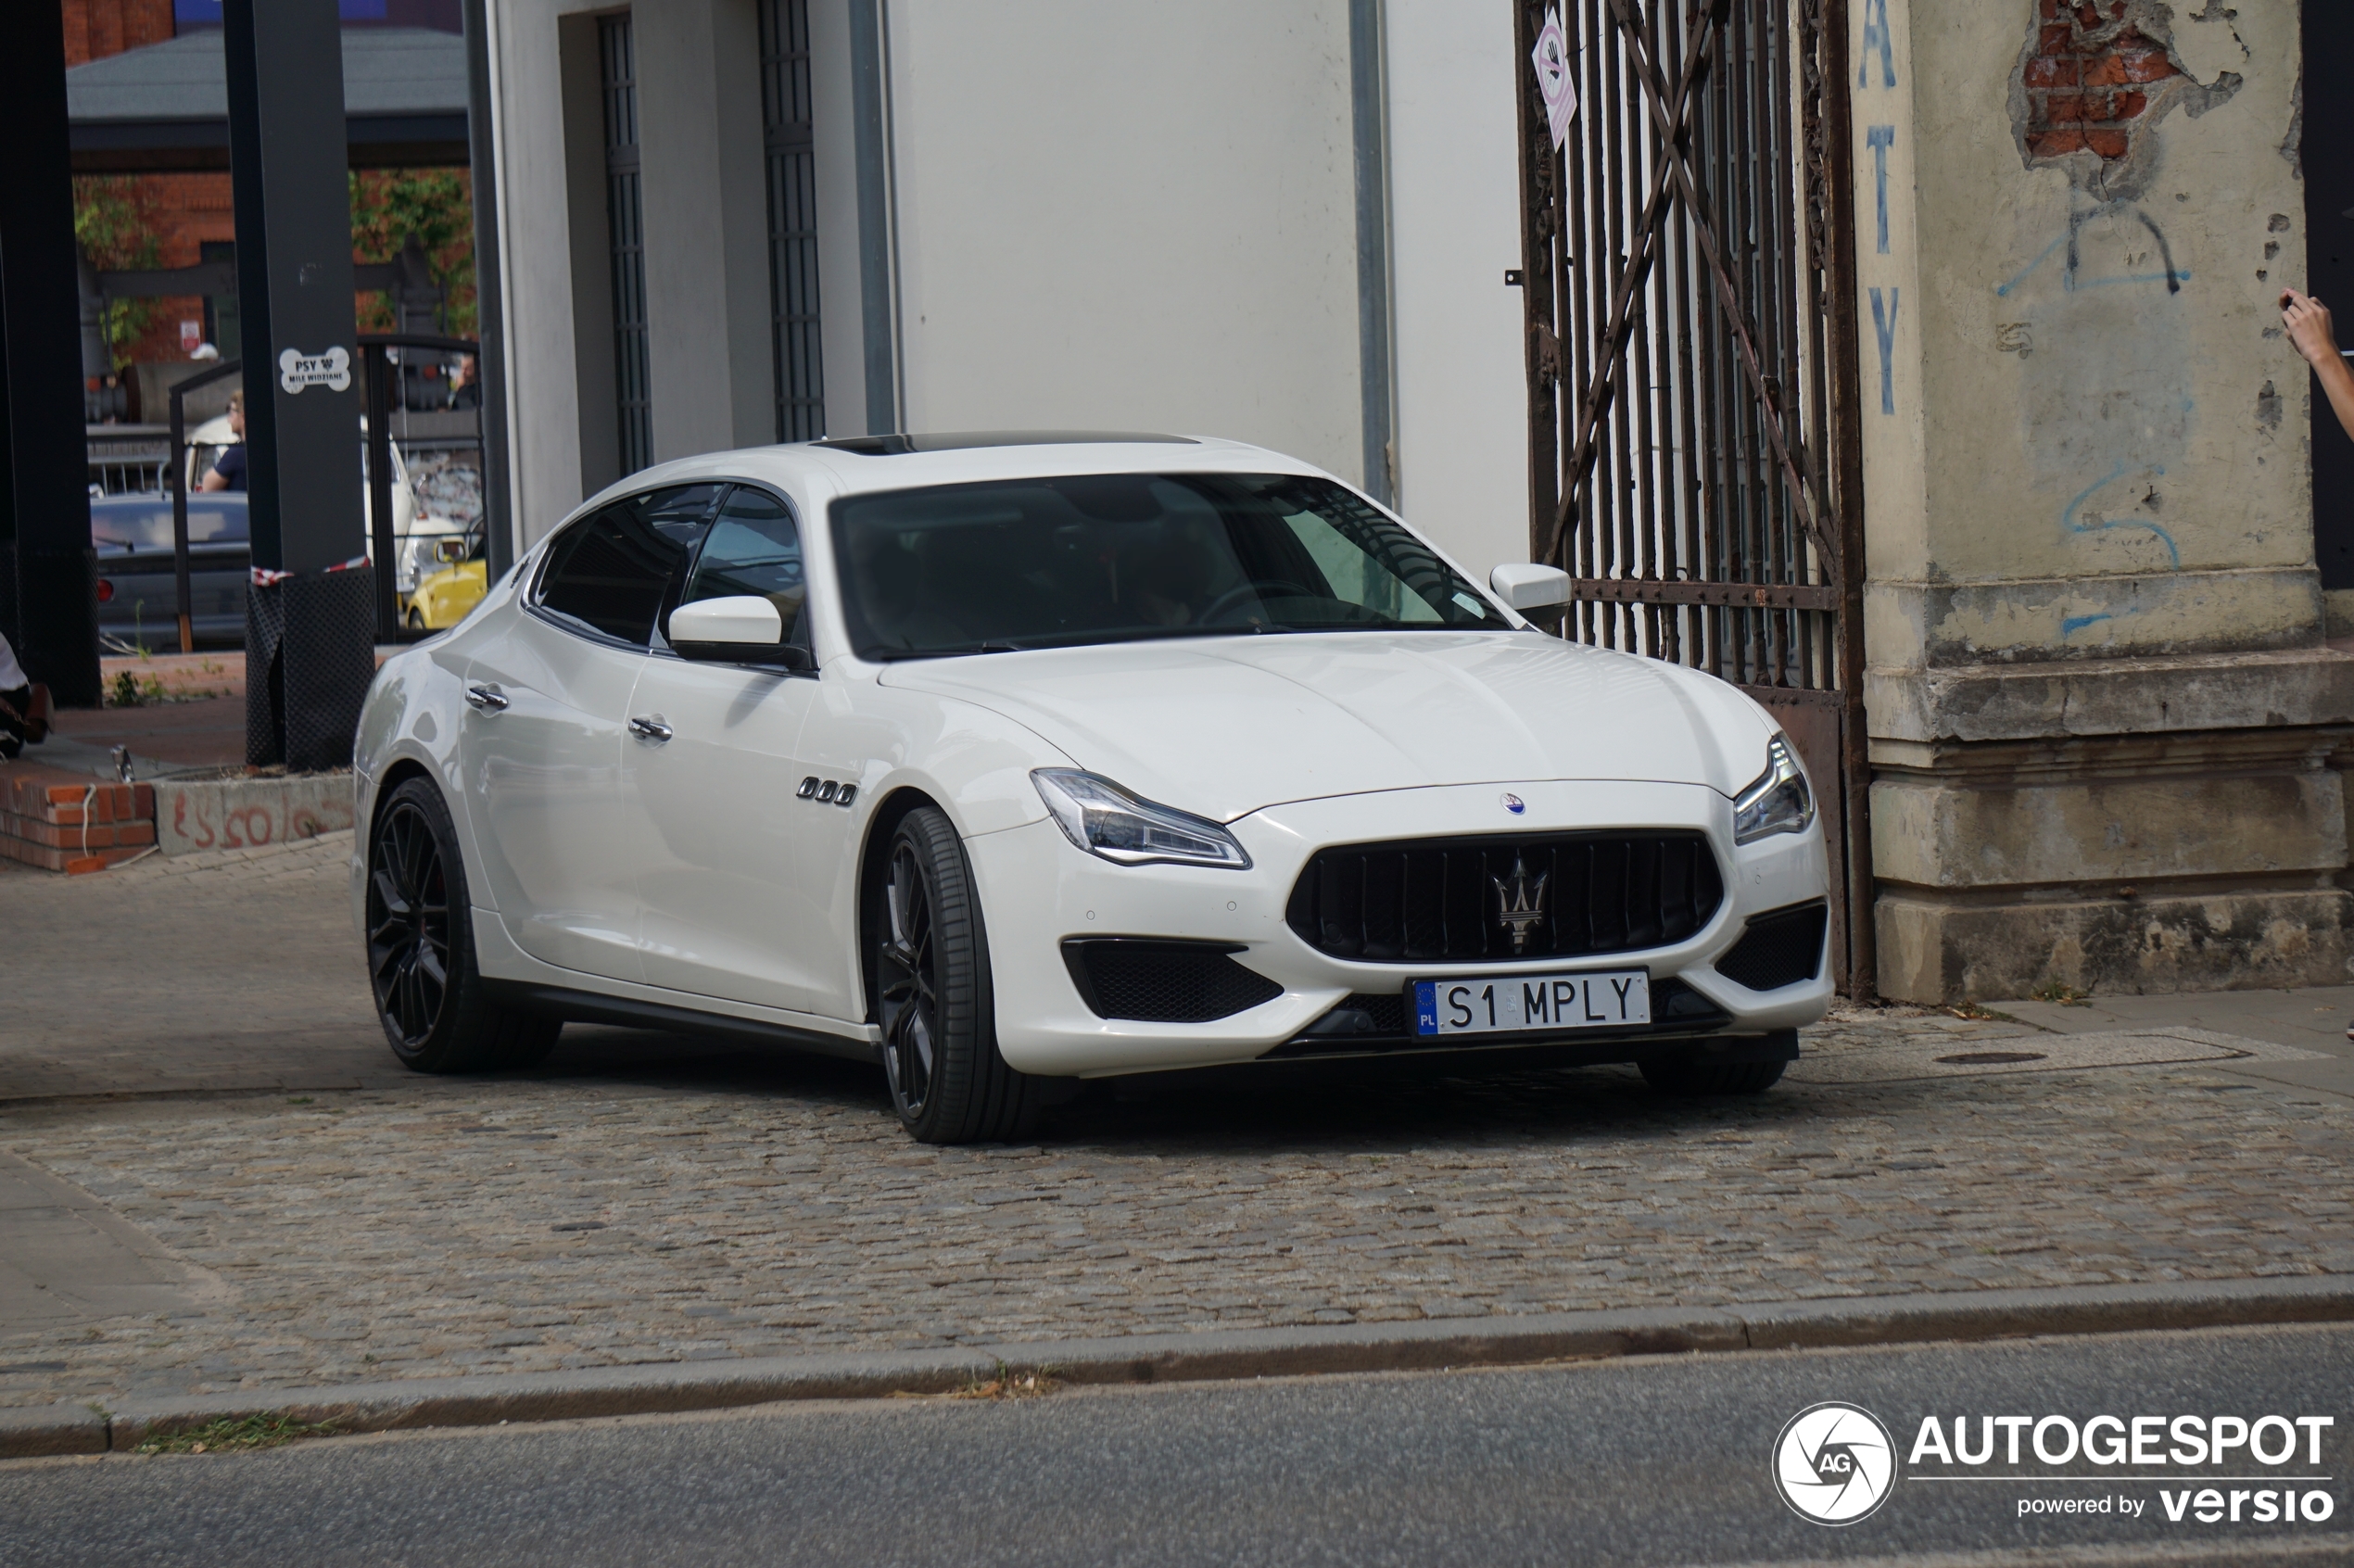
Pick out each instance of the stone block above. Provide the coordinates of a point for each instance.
(1936, 950)
(2260, 689)
(221, 813)
(1957, 833)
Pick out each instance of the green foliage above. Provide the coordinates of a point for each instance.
(436, 205)
(228, 1435)
(110, 223)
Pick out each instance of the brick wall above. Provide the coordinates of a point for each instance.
(61, 822)
(2090, 79)
(95, 28)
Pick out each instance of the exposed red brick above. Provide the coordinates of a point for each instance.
(2108, 144)
(2055, 144)
(2056, 38)
(2149, 65)
(2104, 71)
(2045, 71)
(95, 28)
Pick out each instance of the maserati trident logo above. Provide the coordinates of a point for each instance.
(1520, 903)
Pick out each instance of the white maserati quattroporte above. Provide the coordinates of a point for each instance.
(1010, 761)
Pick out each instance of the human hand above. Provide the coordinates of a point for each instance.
(2308, 321)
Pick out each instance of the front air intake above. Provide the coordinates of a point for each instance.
(1149, 981)
(1781, 947)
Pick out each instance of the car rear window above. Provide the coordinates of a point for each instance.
(143, 523)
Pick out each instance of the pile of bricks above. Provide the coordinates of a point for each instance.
(2089, 80)
(61, 821)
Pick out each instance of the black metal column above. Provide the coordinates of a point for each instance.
(48, 576)
(309, 618)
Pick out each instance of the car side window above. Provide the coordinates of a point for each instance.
(610, 571)
(753, 548)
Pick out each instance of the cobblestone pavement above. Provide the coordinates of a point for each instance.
(650, 1198)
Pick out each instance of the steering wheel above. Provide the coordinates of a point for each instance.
(1235, 595)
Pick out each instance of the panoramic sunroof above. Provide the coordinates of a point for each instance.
(962, 440)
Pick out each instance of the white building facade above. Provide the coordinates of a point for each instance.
(729, 222)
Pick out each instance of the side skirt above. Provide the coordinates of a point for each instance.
(588, 1007)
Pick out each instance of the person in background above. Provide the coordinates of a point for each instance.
(24, 707)
(2308, 321)
(465, 384)
(228, 470)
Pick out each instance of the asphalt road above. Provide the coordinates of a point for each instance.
(1660, 1461)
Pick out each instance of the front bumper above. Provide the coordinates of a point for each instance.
(1039, 890)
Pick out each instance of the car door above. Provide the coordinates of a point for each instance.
(713, 782)
(548, 698)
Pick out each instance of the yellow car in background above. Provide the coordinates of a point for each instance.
(445, 598)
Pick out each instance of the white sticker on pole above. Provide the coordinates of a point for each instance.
(330, 370)
(1553, 78)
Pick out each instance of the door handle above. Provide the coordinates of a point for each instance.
(650, 727)
(485, 699)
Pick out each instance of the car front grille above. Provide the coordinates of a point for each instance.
(1780, 948)
(1148, 982)
(1439, 899)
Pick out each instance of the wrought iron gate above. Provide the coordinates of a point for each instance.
(1695, 463)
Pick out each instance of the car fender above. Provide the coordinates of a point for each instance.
(971, 762)
(413, 712)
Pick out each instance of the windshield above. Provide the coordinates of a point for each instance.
(1021, 563)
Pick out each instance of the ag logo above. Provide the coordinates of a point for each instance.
(1834, 1464)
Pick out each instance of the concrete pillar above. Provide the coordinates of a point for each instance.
(709, 335)
(2103, 717)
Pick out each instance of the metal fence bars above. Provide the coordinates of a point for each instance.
(1691, 358)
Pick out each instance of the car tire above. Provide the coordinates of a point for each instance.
(929, 965)
(1691, 1076)
(416, 620)
(436, 1011)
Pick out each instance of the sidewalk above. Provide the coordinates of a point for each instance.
(193, 1053)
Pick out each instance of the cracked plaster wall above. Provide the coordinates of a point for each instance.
(2084, 431)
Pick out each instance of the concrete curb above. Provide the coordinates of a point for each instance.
(674, 1387)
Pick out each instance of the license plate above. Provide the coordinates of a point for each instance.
(1493, 1004)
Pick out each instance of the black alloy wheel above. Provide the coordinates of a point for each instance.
(929, 974)
(408, 926)
(908, 967)
(438, 1014)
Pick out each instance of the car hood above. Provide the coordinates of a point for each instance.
(1228, 726)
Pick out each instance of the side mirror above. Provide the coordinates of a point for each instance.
(450, 551)
(1527, 586)
(742, 629)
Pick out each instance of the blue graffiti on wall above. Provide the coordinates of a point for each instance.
(2072, 280)
(1876, 37)
(1884, 327)
(1880, 138)
(2075, 523)
(2116, 404)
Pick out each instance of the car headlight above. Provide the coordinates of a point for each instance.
(1778, 802)
(1104, 820)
